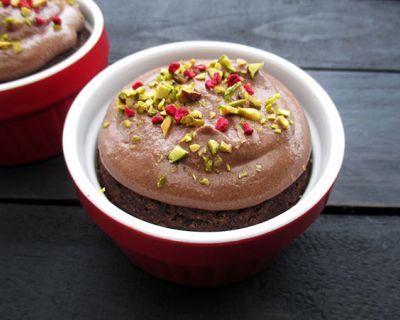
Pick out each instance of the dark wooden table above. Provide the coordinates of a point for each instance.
(56, 264)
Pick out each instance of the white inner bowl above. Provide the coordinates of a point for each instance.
(94, 22)
(86, 115)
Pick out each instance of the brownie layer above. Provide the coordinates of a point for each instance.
(182, 218)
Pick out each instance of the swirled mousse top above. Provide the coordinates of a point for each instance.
(212, 135)
(33, 32)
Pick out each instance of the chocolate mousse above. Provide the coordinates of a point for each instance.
(34, 33)
(205, 146)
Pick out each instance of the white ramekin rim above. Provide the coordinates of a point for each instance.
(319, 190)
(92, 12)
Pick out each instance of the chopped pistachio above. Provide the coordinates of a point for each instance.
(106, 124)
(188, 137)
(274, 126)
(284, 123)
(271, 117)
(166, 125)
(151, 111)
(243, 174)
(202, 151)
(228, 167)
(224, 61)
(102, 190)
(277, 130)
(196, 114)
(127, 123)
(28, 22)
(208, 163)
(219, 89)
(161, 181)
(39, 3)
(194, 147)
(17, 47)
(161, 105)
(136, 139)
(213, 146)
(231, 90)
(253, 68)
(258, 167)
(127, 93)
(25, 12)
(225, 109)
(237, 103)
(273, 99)
(253, 101)
(4, 37)
(203, 103)
(241, 62)
(211, 72)
(291, 121)
(259, 129)
(218, 161)
(225, 147)
(194, 177)
(5, 44)
(189, 120)
(263, 120)
(205, 182)
(57, 27)
(71, 2)
(283, 112)
(250, 113)
(152, 84)
(212, 114)
(162, 91)
(187, 95)
(201, 76)
(176, 154)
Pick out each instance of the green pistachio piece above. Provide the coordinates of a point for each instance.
(283, 122)
(250, 113)
(127, 93)
(277, 130)
(219, 89)
(141, 107)
(151, 111)
(162, 91)
(185, 95)
(5, 44)
(271, 117)
(166, 125)
(225, 147)
(205, 182)
(106, 124)
(228, 167)
(273, 99)
(283, 112)
(153, 84)
(224, 110)
(213, 146)
(201, 76)
(4, 37)
(229, 92)
(194, 147)
(241, 62)
(136, 139)
(196, 114)
(211, 72)
(270, 109)
(202, 151)
(161, 182)
(208, 163)
(212, 114)
(263, 120)
(39, 3)
(161, 105)
(253, 101)
(218, 161)
(253, 68)
(177, 154)
(188, 137)
(225, 62)
(237, 103)
(25, 12)
(127, 123)
(17, 47)
(243, 174)
(189, 120)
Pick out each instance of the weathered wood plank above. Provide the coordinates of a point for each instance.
(315, 34)
(54, 263)
(370, 176)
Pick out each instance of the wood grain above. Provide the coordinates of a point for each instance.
(55, 264)
(370, 175)
(312, 34)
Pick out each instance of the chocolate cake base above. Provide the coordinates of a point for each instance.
(190, 219)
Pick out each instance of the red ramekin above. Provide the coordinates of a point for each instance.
(201, 258)
(33, 108)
